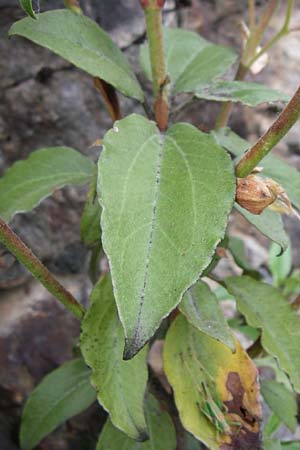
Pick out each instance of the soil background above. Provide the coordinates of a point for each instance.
(44, 101)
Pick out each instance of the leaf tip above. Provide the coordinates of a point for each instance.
(133, 346)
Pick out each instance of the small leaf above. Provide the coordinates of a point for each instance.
(281, 401)
(292, 445)
(81, 41)
(280, 265)
(272, 444)
(264, 307)
(90, 231)
(161, 432)
(191, 61)
(251, 94)
(193, 360)
(28, 182)
(238, 251)
(268, 223)
(26, 5)
(62, 394)
(201, 308)
(273, 166)
(162, 217)
(120, 384)
(271, 426)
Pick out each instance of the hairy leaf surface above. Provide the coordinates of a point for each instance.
(165, 202)
(120, 384)
(191, 61)
(251, 94)
(81, 41)
(28, 182)
(264, 307)
(201, 308)
(62, 394)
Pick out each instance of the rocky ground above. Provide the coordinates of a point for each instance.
(46, 102)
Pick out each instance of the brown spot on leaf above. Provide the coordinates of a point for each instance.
(246, 435)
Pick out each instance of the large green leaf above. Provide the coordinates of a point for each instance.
(161, 432)
(251, 94)
(196, 364)
(202, 309)
(26, 5)
(120, 384)
(165, 202)
(268, 223)
(62, 394)
(81, 41)
(264, 307)
(281, 401)
(28, 182)
(273, 166)
(191, 61)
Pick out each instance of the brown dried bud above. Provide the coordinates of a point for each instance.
(255, 194)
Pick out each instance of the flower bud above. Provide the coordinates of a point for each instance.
(254, 193)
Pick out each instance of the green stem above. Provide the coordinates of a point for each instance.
(275, 133)
(284, 30)
(226, 108)
(249, 55)
(17, 247)
(153, 16)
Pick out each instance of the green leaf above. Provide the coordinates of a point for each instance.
(238, 251)
(62, 394)
(28, 182)
(120, 384)
(90, 231)
(251, 94)
(81, 41)
(191, 61)
(280, 375)
(272, 444)
(271, 426)
(26, 5)
(264, 307)
(274, 167)
(201, 308)
(162, 217)
(292, 445)
(193, 360)
(281, 401)
(269, 223)
(280, 265)
(161, 432)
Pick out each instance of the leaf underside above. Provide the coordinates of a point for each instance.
(162, 217)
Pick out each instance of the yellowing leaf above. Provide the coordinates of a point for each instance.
(205, 374)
